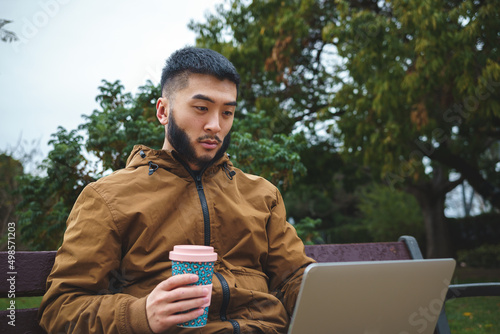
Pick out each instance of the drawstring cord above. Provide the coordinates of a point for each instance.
(229, 173)
(152, 167)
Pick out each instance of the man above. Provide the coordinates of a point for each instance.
(112, 273)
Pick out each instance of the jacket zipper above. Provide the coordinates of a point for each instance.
(225, 303)
(225, 287)
(206, 220)
(201, 195)
(204, 208)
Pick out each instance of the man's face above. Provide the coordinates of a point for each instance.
(199, 118)
(179, 139)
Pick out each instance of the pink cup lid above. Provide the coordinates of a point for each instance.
(193, 253)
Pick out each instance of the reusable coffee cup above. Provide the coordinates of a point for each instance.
(199, 260)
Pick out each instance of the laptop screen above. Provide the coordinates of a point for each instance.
(404, 296)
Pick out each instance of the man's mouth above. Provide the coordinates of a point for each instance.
(209, 144)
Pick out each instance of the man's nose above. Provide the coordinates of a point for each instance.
(213, 123)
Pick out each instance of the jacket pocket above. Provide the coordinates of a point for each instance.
(252, 301)
(250, 279)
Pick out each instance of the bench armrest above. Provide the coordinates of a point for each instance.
(473, 290)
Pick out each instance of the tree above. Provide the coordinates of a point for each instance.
(123, 121)
(6, 35)
(46, 200)
(327, 193)
(278, 49)
(412, 86)
(275, 157)
(10, 169)
(388, 213)
(421, 98)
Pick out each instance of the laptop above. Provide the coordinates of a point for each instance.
(372, 297)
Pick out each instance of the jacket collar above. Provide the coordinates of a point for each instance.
(142, 155)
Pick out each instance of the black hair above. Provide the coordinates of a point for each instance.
(190, 60)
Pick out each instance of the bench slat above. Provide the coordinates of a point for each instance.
(383, 251)
(25, 322)
(30, 273)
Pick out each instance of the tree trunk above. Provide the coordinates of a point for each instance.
(431, 196)
(436, 229)
(471, 173)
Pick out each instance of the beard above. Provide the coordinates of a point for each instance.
(180, 141)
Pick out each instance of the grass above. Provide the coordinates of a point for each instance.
(21, 302)
(474, 315)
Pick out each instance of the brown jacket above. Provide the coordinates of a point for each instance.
(122, 227)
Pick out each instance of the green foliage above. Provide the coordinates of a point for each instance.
(423, 80)
(419, 91)
(327, 193)
(111, 133)
(123, 122)
(395, 83)
(484, 256)
(273, 156)
(47, 200)
(307, 229)
(7, 35)
(387, 213)
(283, 87)
(10, 169)
(276, 46)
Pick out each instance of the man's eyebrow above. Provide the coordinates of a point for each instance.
(206, 98)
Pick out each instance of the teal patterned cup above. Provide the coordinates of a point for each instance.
(199, 260)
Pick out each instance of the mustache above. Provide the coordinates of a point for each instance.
(216, 138)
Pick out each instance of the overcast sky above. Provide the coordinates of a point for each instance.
(49, 78)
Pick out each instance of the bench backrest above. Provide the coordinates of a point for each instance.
(26, 275)
(30, 270)
(404, 249)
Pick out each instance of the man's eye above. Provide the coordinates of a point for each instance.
(228, 113)
(201, 108)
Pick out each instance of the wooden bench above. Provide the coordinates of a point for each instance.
(32, 268)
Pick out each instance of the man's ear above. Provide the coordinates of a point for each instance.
(162, 110)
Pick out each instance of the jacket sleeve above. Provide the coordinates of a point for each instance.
(80, 297)
(287, 259)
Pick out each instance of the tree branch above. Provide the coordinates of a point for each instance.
(472, 174)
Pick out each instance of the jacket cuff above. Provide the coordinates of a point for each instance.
(133, 318)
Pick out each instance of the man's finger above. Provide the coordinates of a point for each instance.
(177, 281)
(183, 317)
(185, 293)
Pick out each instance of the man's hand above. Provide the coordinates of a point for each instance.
(171, 296)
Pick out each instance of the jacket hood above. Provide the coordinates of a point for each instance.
(142, 155)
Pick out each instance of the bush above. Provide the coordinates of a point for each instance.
(485, 256)
(387, 213)
(307, 231)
